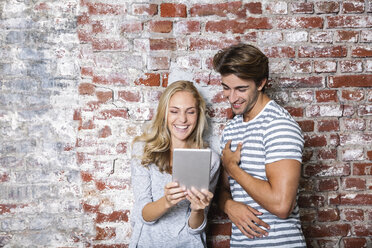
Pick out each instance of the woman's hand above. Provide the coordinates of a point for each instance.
(199, 199)
(173, 194)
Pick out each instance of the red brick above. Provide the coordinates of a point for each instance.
(302, 8)
(352, 95)
(145, 9)
(115, 216)
(86, 71)
(90, 208)
(84, 35)
(163, 44)
(132, 27)
(354, 124)
(306, 125)
(106, 9)
(327, 7)
(330, 184)
(362, 52)
(161, 26)
(105, 233)
(88, 125)
(351, 66)
(321, 37)
(328, 215)
(350, 81)
(363, 230)
(253, 7)
(83, 19)
(205, 78)
(121, 148)
(158, 63)
(187, 27)
(322, 52)
(210, 44)
(327, 170)
(86, 89)
(4, 177)
(105, 132)
(327, 154)
(98, 27)
(216, 112)
(325, 243)
(354, 183)
(353, 7)
(112, 113)
(364, 110)
(352, 214)
(307, 215)
(354, 242)
(104, 96)
(6, 208)
(301, 82)
(77, 115)
(346, 36)
(295, 112)
(218, 98)
(315, 141)
(234, 26)
(173, 10)
(114, 79)
(164, 79)
(219, 9)
(328, 125)
(340, 21)
(369, 155)
(325, 66)
(326, 230)
(326, 96)
(129, 96)
(309, 201)
(356, 199)
(110, 45)
(299, 22)
(279, 52)
(300, 66)
(150, 79)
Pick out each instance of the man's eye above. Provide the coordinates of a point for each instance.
(242, 90)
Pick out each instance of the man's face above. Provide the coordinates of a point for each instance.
(241, 94)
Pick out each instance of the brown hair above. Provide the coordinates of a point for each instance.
(158, 138)
(244, 61)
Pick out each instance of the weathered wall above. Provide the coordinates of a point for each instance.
(79, 79)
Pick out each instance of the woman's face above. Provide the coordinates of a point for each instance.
(182, 117)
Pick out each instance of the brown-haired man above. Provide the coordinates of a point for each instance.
(261, 154)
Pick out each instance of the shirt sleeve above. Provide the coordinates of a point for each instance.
(141, 184)
(214, 175)
(283, 139)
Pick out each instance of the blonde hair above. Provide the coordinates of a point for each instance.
(158, 138)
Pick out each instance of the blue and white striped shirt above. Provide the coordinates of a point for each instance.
(271, 136)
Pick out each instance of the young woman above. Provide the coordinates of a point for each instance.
(165, 214)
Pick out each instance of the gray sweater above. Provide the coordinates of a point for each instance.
(172, 229)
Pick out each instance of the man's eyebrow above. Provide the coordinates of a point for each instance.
(237, 87)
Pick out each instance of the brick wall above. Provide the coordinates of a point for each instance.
(80, 79)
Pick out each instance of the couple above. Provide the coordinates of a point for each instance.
(261, 151)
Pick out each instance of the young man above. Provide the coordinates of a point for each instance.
(261, 154)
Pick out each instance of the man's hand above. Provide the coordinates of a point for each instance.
(230, 158)
(245, 218)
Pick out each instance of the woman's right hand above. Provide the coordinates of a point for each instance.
(173, 194)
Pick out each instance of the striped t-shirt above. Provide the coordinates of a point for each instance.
(271, 136)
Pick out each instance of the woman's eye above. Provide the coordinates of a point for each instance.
(173, 112)
(191, 112)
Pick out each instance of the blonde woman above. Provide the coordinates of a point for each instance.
(165, 214)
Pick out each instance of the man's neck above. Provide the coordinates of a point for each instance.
(261, 102)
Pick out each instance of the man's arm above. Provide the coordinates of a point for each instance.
(278, 193)
(242, 215)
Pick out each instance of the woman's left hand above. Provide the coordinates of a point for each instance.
(199, 199)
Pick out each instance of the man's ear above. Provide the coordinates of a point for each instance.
(263, 83)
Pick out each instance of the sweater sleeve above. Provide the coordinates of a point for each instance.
(141, 183)
(214, 175)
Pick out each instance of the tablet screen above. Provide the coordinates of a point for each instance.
(191, 167)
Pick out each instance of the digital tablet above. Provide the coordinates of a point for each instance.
(191, 167)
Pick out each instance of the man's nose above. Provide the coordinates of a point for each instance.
(232, 97)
